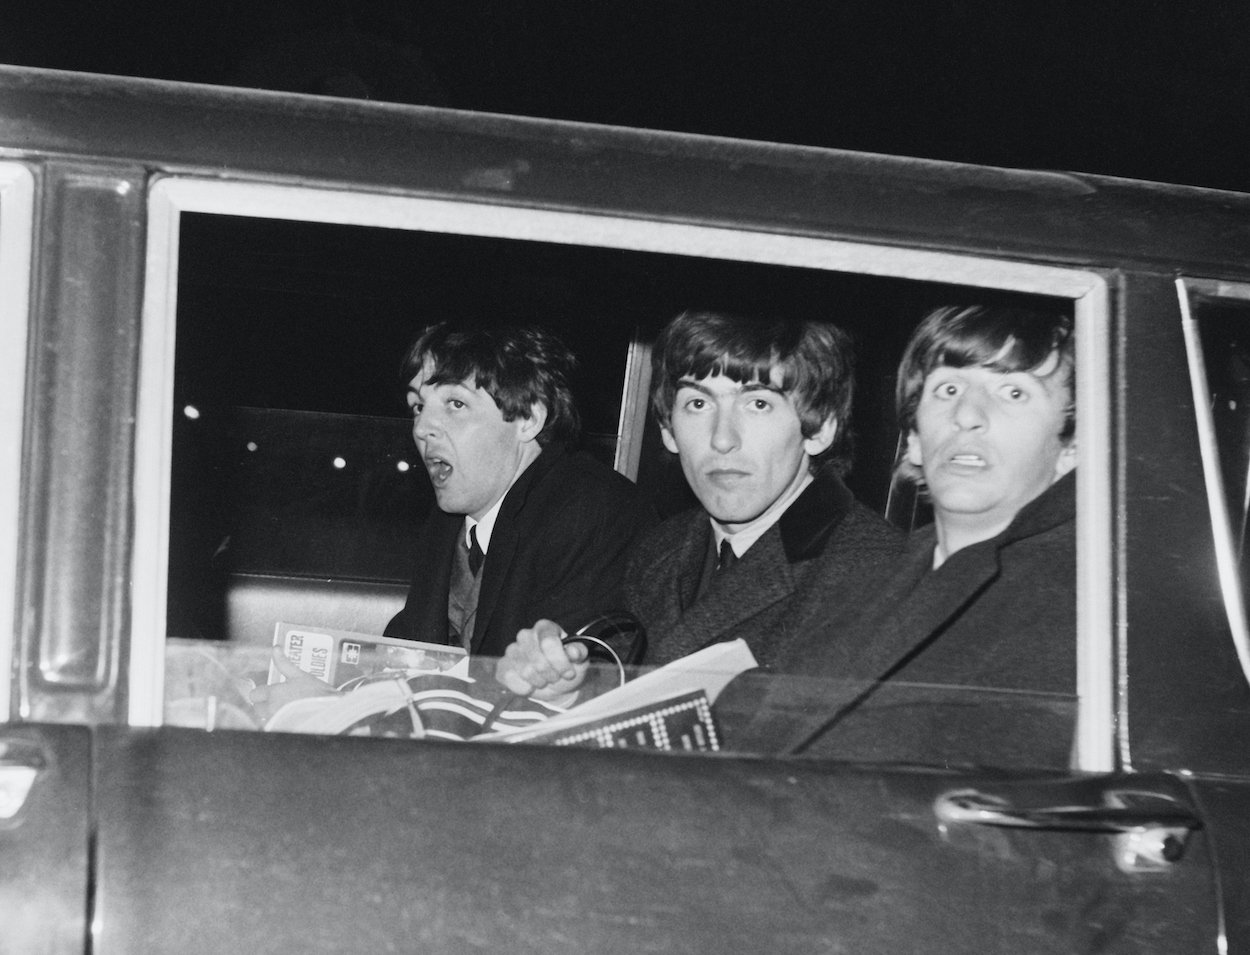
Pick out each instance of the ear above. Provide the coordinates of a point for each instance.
(912, 454)
(666, 435)
(1066, 460)
(529, 428)
(823, 437)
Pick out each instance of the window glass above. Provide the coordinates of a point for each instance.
(1218, 342)
(755, 714)
(1224, 327)
(296, 491)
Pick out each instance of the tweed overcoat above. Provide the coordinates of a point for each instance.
(819, 562)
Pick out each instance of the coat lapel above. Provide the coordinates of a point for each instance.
(671, 582)
(917, 606)
(504, 540)
(764, 575)
(760, 578)
(920, 611)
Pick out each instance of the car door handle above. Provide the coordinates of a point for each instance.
(21, 761)
(1114, 816)
(1150, 828)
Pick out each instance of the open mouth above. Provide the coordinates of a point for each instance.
(440, 471)
(967, 461)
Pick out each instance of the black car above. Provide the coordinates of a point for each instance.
(204, 295)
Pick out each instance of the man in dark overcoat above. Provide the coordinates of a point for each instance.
(757, 412)
(521, 528)
(983, 599)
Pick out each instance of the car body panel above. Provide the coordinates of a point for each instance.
(315, 845)
(45, 843)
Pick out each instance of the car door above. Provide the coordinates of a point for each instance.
(212, 841)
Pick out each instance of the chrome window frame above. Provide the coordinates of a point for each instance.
(17, 212)
(1208, 446)
(170, 197)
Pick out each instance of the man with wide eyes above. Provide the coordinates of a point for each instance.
(757, 412)
(522, 528)
(542, 530)
(984, 597)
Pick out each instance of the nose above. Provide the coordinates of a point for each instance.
(424, 425)
(969, 413)
(725, 433)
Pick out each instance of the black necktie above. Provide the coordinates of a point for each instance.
(727, 556)
(475, 552)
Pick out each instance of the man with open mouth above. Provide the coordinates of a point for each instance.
(523, 527)
(985, 596)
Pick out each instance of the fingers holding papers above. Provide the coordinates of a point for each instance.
(540, 664)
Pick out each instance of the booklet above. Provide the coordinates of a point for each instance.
(664, 698)
(339, 657)
(682, 722)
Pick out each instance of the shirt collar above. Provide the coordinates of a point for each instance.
(742, 539)
(485, 527)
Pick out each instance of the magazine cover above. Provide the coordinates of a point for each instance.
(662, 705)
(682, 722)
(339, 657)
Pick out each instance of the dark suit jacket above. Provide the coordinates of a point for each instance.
(557, 551)
(818, 562)
(998, 615)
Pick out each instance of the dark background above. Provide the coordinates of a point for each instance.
(1145, 89)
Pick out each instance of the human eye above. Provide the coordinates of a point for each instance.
(694, 403)
(946, 389)
(455, 404)
(1014, 392)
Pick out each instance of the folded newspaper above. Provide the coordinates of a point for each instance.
(666, 708)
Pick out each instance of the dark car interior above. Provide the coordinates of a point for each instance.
(295, 485)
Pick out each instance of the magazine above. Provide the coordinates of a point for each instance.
(705, 672)
(682, 722)
(341, 657)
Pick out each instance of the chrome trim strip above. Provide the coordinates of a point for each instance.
(1225, 553)
(634, 407)
(1100, 645)
(153, 440)
(17, 214)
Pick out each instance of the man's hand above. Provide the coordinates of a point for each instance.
(539, 664)
(267, 700)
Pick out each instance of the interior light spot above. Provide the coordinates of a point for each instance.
(191, 413)
(340, 463)
(252, 445)
(401, 466)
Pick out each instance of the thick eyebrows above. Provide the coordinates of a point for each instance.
(748, 388)
(694, 385)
